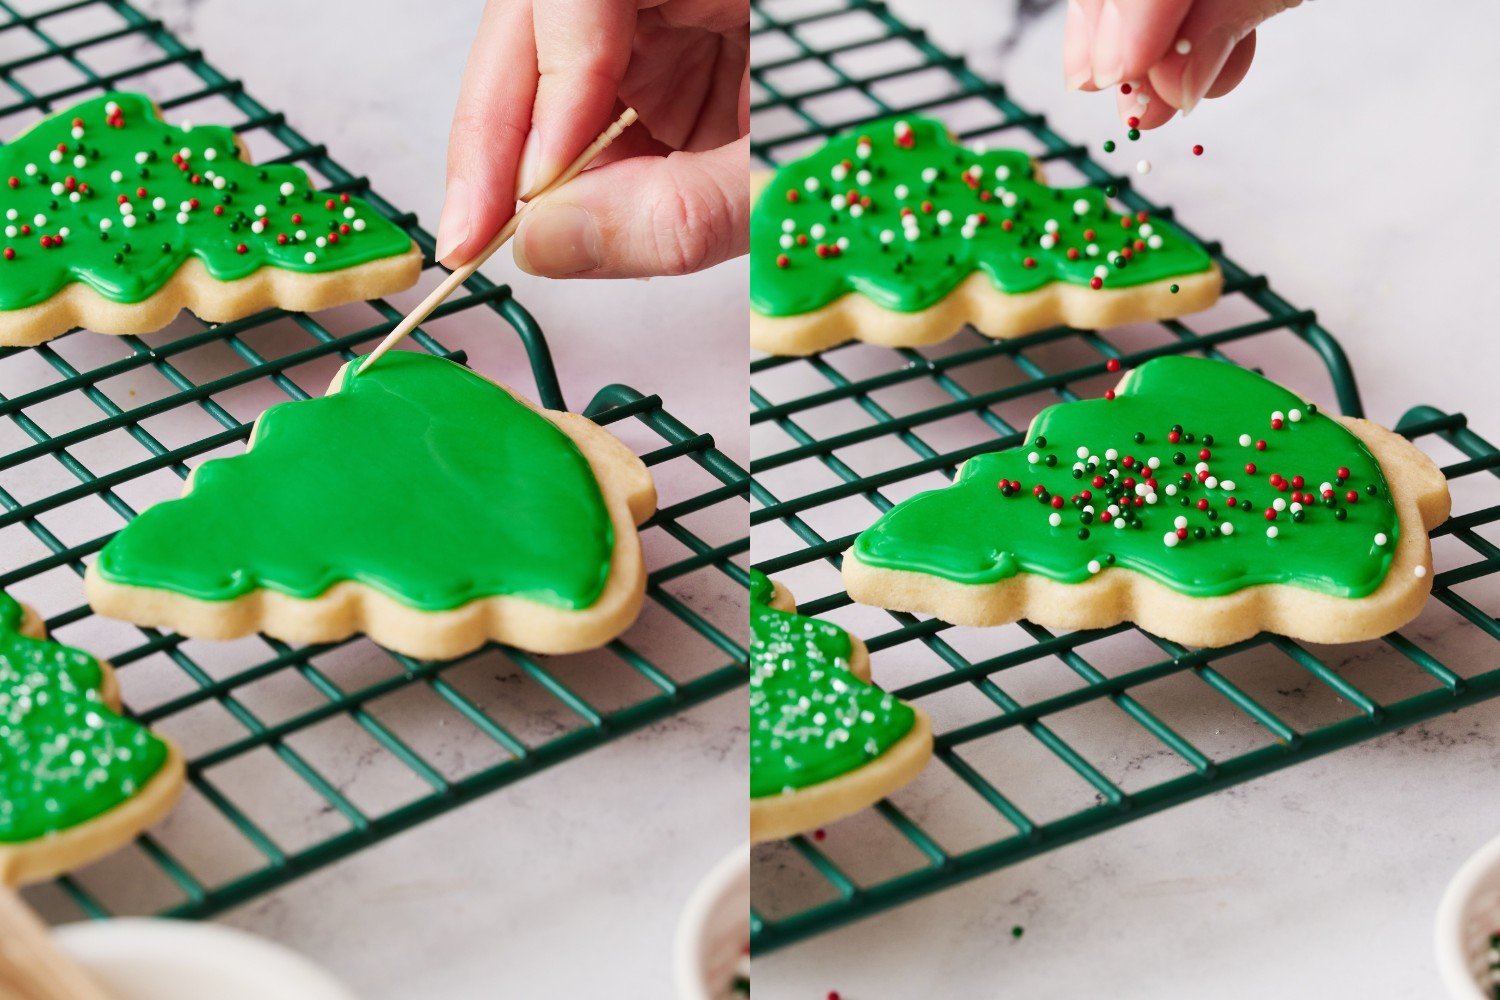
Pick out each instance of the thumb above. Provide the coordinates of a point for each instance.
(641, 217)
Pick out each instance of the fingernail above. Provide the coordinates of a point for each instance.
(1109, 46)
(1204, 62)
(1076, 68)
(531, 155)
(557, 240)
(453, 224)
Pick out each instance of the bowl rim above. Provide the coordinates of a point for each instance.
(1482, 866)
(707, 896)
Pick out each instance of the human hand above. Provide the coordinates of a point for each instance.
(1175, 52)
(545, 77)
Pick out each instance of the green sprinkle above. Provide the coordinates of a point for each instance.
(1173, 289)
(1133, 134)
(1017, 931)
(1109, 145)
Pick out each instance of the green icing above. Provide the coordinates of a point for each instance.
(418, 478)
(66, 176)
(990, 525)
(811, 718)
(814, 238)
(65, 758)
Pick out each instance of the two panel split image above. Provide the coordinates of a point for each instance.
(698, 499)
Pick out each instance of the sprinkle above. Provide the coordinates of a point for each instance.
(1226, 528)
(1143, 167)
(1170, 539)
(1197, 150)
(1417, 571)
(310, 257)
(1380, 538)
(1094, 566)
(1054, 519)
(1183, 46)
(1271, 531)
(1294, 415)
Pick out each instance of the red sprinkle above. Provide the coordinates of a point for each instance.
(1352, 496)
(1249, 468)
(1133, 122)
(1112, 365)
(1203, 503)
(1197, 150)
(782, 260)
(10, 254)
(241, 248)
(1096, 282)
(793, 197)
(1343, 473)
(1029, 262)
(1260, 446)
(1109, 394)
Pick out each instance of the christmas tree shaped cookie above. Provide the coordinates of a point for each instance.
(895, 234)
(417, 502)
(77, 779)
(115, 221)
(824, 742)
(1199, 500)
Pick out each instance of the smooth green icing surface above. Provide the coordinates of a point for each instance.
(972, 532)
(811, 718)
(819, 201)
(65, 758)
(67, 175)
(418, 478)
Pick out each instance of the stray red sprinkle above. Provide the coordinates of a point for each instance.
(1197, 150)
(1112, 365)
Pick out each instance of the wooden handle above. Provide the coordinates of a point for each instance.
(465, 270)
(31, 966)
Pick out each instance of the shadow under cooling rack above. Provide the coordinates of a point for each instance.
(1044, 738)
(299, 756)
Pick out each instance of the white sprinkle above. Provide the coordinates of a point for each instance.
(902, 190)
(930, 174)
(1120, 522)
(287, 187)
(1094, 566)
(1171, 489)
(1295, 507)
(359, 225)
(843, 243)
(1200, 467)
(1033, 458)
(1226, 528)
(57, 187)
(1179, 522)
(1048, 241)
(887, 235)
(1143, 167)
(116, 176)
(159, 203)
(863, 178)
(1245, 440)
(818, 231)
(1278, 415)
(1294, 415)
(210, 153)
(838, 202)
(839, 172)
(104, 224)
(1002, 173)
(1170, 539)
(260, 210)
(1271, 531)
(1111, 454)
(811, 184)
(321, 242)
(301, 235)
(1419, 571)
(11, 213)
(74, 197)
(1009, 199)
(1054, 519)
(944, 217)
(10, 231)
(126, 208)
(64, 231)
(1278, 504)
(349, 212)
(1210, 482)
(182, 218)
(1101, 271)
(111, 108)
(31, 170)
(1154, 242)
(1227, 486)
(1153, 462)
(1081, 206)
(1082, 452)
(129, 222)
(787, 226)
(310, 257)
(1145, 229)
(186, 126)
(39, 219)
(55, 156)
(787, 242)
(1380, 538)
(219, 183)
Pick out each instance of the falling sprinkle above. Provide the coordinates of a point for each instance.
(1197, 150)
(1133, 134)
(1109, 145)
(1143, 167)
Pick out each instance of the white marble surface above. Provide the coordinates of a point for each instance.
(568, 884)
(1354, 168)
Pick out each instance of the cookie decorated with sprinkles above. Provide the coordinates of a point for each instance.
(115, 221)
(79, 779)
(1198, 499)
(417, 502)
(824, 741)
(896, 234)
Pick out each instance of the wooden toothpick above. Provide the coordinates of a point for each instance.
(464, 271)
(31, 966)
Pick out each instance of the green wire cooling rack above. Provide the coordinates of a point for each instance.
(300, 756)
(1043, 738)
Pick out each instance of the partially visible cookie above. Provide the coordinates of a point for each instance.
(418, 502)
(116, 221)
(77, 779)
(824, 742)
(1198, 500)
(895, 234)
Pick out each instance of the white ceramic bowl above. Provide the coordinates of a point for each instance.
(1467, 916)
(141, 959)
(713, 929)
